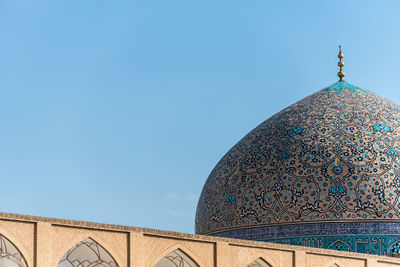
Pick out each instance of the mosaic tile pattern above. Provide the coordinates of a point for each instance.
(371, 244)
(332, 156)
(374, 237)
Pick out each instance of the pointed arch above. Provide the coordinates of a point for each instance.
(87, 253)
(340, 245)
(176, 258)
(260, 262)
(10, 256)
(394, 248)
(334, 263)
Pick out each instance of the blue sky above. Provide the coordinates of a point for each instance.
(117, 111)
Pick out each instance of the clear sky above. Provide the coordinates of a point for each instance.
(117, 111)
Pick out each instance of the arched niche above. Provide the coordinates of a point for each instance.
(395, 248)
(259, 263)
(10, 255)
(176, 258)
(340, 245)
(87, 253)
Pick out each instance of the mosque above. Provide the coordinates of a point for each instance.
(317, 184)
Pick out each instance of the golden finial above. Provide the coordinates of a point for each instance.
(340, 74)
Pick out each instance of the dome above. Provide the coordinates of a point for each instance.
(323, 172)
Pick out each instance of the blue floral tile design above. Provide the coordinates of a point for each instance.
(332, 157)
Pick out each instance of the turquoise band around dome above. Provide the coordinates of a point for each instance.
(332, 157)
(381, 238)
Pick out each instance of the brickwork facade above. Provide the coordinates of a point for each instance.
(42, 242)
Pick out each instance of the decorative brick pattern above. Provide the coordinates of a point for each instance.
(43, 242)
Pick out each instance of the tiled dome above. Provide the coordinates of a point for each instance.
(325, 167)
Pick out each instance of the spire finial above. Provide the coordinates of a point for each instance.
(340, 74)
